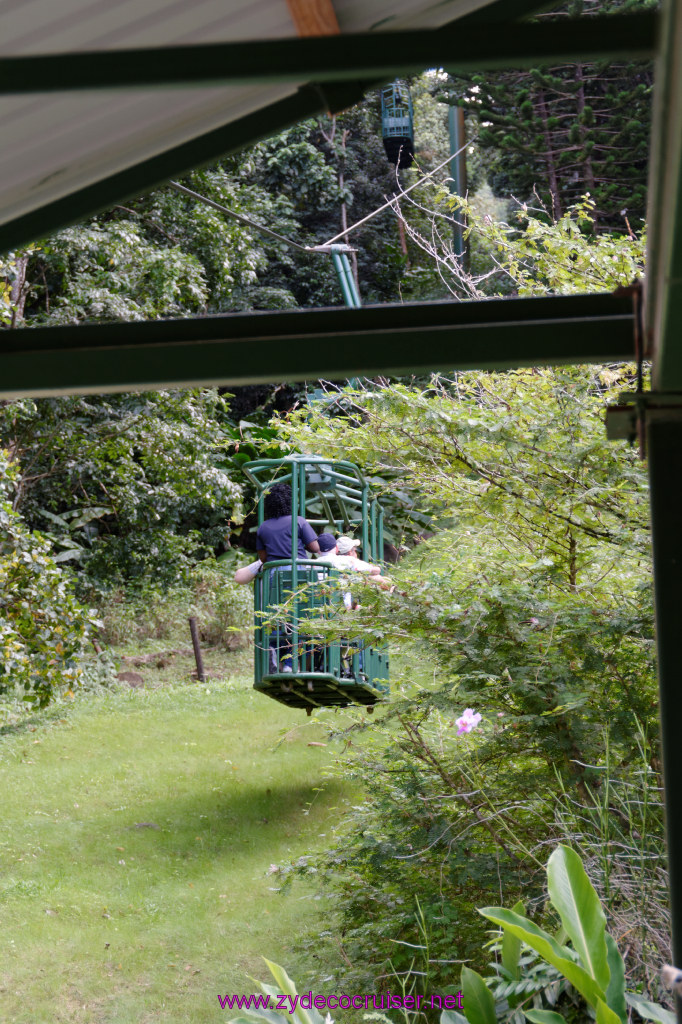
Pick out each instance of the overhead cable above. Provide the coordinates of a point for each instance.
(238, 216)
(395, 198)
(326, 246)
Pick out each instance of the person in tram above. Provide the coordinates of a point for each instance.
(342, 554)
(248, 573)
(273, 543)
(273, 539)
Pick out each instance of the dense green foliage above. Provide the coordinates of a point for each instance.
(532, 603)
(563, 257)
(128, 486)
(43, 629)
(167, 254)
(539, 976)
(591, 967)
(527, 255)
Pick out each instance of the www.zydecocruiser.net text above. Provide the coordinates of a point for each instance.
(343, 1002)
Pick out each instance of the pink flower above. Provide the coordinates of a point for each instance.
(468, 721)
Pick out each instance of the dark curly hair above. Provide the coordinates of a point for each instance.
(277, 501)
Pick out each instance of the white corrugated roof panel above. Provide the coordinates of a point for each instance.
(56, 143)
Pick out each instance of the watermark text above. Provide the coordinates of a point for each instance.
(307, 1001)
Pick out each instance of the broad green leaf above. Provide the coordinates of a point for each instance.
(60, 520)
(615, 993)
(650, 1011)
(544, 1017)
(452, 1017)
(88, 514)
(581, 913)
(249, 1016)
(511, 946)
(605, 1015)
(287, 987)
(544, 944)
(65, 556)
(479, 1005)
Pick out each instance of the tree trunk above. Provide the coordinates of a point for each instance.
(19, 290)
(552, 178)
(588, 172)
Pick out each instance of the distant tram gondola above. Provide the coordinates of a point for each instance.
(333, 496)
(397, 125)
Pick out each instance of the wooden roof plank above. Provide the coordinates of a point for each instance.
(314, 17)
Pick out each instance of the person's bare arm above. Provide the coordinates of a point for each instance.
(313, 546)
(244, 575)
(263, 555)
(379, 580)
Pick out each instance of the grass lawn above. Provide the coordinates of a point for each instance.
(137, 833)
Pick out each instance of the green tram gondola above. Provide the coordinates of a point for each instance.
(333, 495)
(397, 124)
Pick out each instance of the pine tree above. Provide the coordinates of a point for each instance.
(568, 130)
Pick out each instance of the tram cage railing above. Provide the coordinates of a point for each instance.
(397, 117)
(282, 609)
(348, 487)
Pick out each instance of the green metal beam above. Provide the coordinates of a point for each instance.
(664, 447)
(346, 57)
(149, 174)
(664, 257)
(330, 343)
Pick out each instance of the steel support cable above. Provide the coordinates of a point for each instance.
(391, 202)
(325, 247)
(238, 216)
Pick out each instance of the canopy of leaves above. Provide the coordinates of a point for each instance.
(533, 606)
(127, 486)
(534, 256)
(563, 131)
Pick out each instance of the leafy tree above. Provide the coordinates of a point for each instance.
(127, 486)
(43, 629)
(533, 606)
(534, 256)
(335, 172)
(164, 254)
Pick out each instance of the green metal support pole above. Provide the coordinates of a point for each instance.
(351, 281)
(664, 445)
(366, 554)
(458, 177)
(294, 566)
(301, 490)
(345, 276)
(352, 286)
(338, 267)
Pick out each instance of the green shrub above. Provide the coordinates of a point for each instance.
(224, 611)
(532, 604)
(43, 629)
